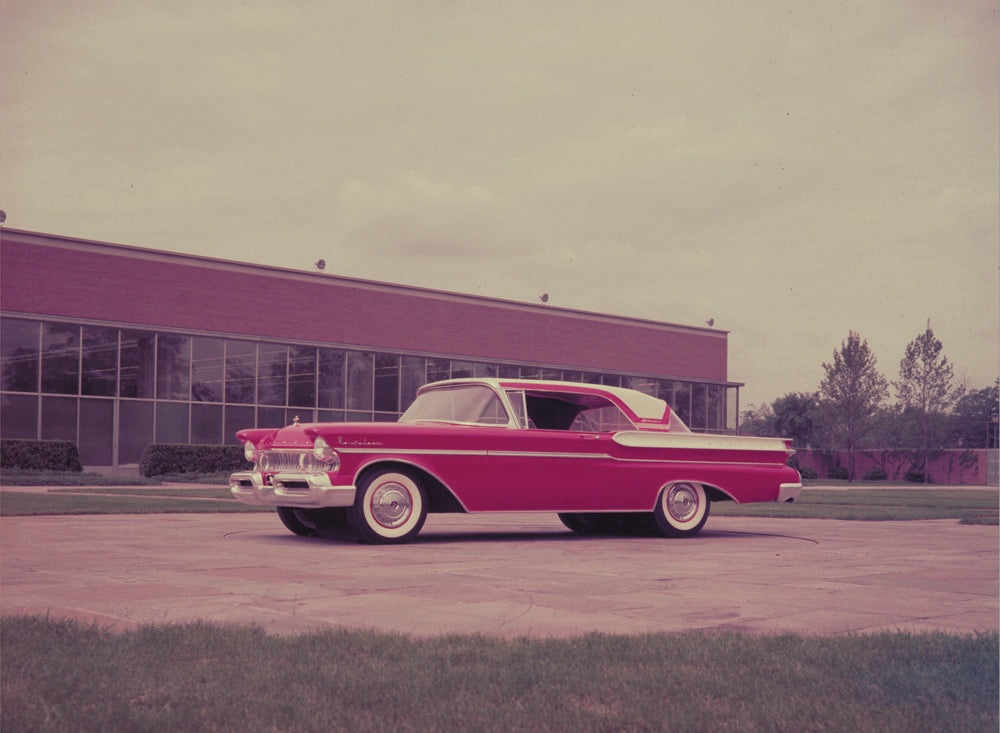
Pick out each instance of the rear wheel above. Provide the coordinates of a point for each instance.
(391, 506)
(681, 510)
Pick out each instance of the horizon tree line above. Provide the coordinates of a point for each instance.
(851, 411)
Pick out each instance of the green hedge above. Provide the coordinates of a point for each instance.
(163, 458)
(41, 455)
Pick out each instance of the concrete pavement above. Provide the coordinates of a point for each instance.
(506, 575)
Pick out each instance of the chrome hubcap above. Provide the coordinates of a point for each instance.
(391, 505)
(682, 502)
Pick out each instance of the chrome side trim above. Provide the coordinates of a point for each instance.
(696, 441)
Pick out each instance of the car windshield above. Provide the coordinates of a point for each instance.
(466, 404)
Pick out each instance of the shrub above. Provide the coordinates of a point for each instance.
(807, 472)
(838, 472)
(915, 476)
(164, 458)
(41, 455)
(877, 473)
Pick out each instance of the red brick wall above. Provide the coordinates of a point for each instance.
(54, 276)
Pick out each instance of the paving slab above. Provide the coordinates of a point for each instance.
(505, 575)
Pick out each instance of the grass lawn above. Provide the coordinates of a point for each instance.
(970, 506)
(156, 500)
(63, 676)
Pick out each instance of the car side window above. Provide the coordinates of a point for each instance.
(493, 413)
(607, 419)
(575, 413)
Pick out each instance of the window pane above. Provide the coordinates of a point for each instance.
(302, 376)
(19, 416)
(462, 369)
(59, 418)
(135, 429)
(509, 371)
(19, 349)
(138, 364)
(438, 369)
(171, 422)
(237, 418)
(96, 426)
(732, 410)
(387, 382)
(331, 378)
(486, 370)
(303, 415)
(100, 361)
(412, 376)
(360, 373)
(665, 391)
(682, 401)
(272, 373)
(207, 369)
(206, 424)
(173, 367)
(241, 366)
(60, 358)
(699, 406)
(716, 407)
(270, 417)
(641, 384)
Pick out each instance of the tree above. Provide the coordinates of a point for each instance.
(757, 421)
(850, 397)
(794, 417)
(975, 418)
(925, 393)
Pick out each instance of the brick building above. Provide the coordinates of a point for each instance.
(116, 347)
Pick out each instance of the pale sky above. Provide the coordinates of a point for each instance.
(794, 170)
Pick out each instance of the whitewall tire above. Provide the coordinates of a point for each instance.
(390, 506)
(681, 510)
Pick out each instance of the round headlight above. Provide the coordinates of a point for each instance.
(323, 452)
(250, 451)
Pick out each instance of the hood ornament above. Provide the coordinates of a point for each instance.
(295, 420)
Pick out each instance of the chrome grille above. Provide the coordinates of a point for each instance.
(278, 460)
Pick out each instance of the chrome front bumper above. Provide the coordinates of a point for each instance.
(307, 490)
(788, 492)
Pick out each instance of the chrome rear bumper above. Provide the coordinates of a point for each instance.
(788, 492)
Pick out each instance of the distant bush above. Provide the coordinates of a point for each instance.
(877, 473)
(807, 472)
(41, 455)
(166, 458)
(915, 476)
(838, 472)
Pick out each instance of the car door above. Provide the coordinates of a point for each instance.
(559, 463)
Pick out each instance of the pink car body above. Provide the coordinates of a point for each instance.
(600, 457)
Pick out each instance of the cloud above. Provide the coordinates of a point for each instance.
(415, 216)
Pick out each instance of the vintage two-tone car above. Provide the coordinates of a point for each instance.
(598, 456)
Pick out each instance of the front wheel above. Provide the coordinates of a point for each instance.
(391, 506)
(298, 521)
(681, 510)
